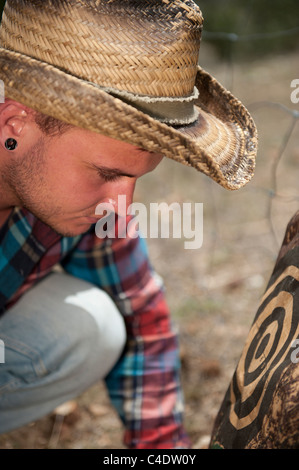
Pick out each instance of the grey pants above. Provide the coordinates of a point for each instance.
(62, 336)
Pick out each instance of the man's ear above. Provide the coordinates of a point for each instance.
(13, 119)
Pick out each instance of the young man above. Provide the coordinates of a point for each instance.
(96, 94)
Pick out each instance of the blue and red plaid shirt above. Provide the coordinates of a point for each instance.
(144, 386)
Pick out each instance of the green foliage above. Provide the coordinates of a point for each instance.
(249, 21)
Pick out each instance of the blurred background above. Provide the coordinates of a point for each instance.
(252, 48)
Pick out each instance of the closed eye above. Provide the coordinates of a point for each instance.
(111, 174)
(108, 177)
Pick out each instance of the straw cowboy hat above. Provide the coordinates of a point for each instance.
(128, 69)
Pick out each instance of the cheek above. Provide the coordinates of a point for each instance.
(74, 189)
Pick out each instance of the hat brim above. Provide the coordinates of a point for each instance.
(222, 143)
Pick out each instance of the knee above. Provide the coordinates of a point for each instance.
(64, 327)
(100, 331)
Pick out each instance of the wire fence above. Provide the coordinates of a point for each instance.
(256, 217)
(235, 37)
(272, 189)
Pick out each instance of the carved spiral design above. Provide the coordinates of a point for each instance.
(267, 350)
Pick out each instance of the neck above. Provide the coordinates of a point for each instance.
(4, 216)
(7, 201)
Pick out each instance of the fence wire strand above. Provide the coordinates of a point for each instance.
(235, 37)
(272, 190)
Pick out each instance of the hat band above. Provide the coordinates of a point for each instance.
(170, 110)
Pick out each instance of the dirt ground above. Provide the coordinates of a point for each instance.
(213, 291)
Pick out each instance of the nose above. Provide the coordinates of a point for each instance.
(119, 196)
(123, 194)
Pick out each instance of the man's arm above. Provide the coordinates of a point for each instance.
(144, 386)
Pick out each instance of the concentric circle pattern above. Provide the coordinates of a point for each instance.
(267, 350)
(261, 406)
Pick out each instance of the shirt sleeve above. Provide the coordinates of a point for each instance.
(145, 385)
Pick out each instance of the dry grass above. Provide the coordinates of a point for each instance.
(214, 291)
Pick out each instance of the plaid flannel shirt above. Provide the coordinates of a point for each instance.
(144, 386)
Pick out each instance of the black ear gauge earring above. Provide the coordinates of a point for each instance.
(11, 144)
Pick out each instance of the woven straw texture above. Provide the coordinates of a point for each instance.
(77, 60)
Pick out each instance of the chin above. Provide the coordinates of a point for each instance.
(76, 231)
(69, 230)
